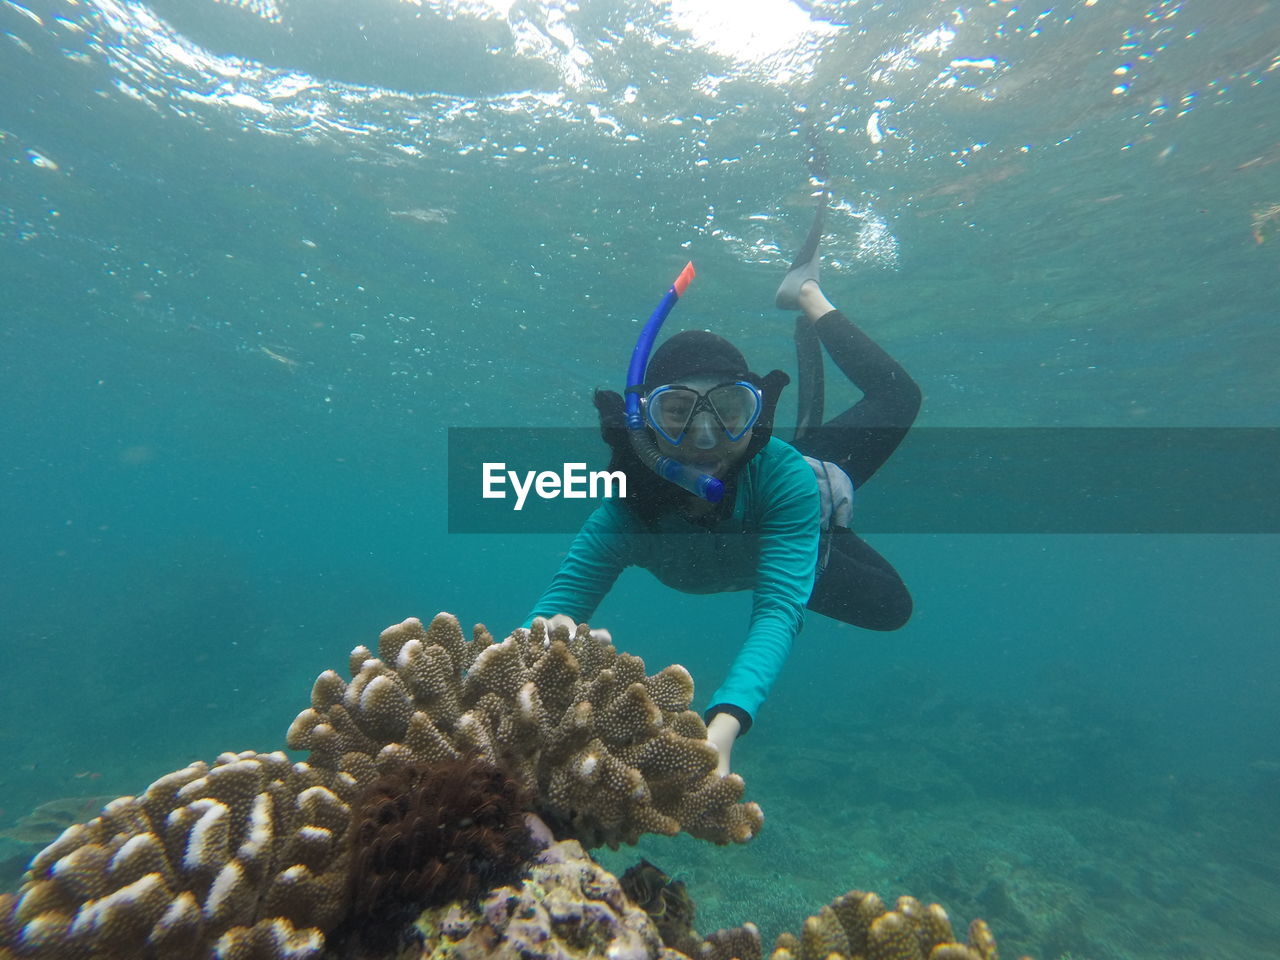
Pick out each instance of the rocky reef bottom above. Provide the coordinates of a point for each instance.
(568, 906)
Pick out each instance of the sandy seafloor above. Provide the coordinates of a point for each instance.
(258, 257)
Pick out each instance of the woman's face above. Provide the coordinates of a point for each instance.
(705, 446)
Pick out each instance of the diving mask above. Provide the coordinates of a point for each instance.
(734, 408)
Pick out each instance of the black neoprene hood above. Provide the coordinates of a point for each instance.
(695, 353)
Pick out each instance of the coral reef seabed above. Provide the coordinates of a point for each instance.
(466, 778)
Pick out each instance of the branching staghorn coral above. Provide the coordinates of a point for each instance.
(250, 859)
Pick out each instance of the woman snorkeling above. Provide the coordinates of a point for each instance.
(734, 507)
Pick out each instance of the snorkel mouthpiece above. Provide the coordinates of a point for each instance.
(700, 484)
(695, 481)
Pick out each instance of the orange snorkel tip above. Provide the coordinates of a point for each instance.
(685, 278)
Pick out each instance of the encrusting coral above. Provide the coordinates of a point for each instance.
(566, 907)
(251, 859)
(46, 822)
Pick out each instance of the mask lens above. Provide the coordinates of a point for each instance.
(737, 405)
(670, 409)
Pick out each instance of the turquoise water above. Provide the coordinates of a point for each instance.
(258, 256)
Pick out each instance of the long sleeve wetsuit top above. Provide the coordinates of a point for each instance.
(768, 544)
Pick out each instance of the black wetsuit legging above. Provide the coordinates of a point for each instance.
(857, 586)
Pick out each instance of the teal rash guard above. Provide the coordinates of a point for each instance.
(769, 544)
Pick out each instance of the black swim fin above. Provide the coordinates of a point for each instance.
(810, 384)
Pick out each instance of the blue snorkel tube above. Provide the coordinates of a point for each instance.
(700, 484)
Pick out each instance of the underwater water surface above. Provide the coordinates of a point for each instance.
(257, 257)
